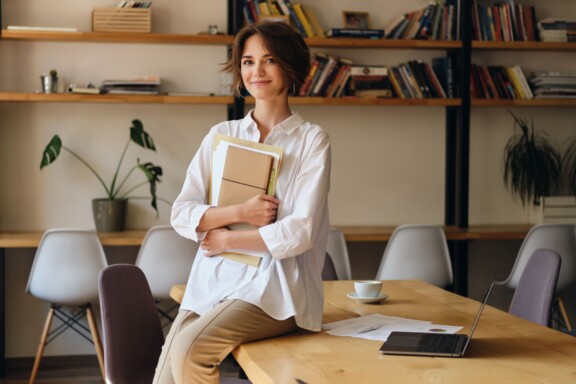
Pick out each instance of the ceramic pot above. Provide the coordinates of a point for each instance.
(109, 215)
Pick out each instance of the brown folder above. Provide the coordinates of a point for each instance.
(246, 174)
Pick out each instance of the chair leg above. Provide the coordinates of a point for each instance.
(564, 314)
(96, 338)
(42, 344)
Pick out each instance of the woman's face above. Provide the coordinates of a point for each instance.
(261, 74)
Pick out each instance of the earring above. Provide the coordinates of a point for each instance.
(293, 90)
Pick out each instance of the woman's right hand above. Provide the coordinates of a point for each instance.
(260, 210)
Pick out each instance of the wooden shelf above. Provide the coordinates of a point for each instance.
(134, 237)
(165, 38)
(317, 42)
(78, 98)
(118, 37)
(356, 101)
(523, 46)
(524, 103)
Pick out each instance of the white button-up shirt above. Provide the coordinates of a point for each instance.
(288, 280)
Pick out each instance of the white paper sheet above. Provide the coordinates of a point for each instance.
(379, 327)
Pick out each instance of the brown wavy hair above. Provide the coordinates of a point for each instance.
(286, 46)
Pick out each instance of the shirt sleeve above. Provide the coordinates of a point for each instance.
(296, 233)
(191, 203)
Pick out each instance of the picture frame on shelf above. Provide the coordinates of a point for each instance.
(356, 20)
(274, 18)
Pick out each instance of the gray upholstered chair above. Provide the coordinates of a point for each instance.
(534, 294)
(560, 238)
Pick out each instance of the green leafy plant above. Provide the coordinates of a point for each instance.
(532, 163)
(113, 191)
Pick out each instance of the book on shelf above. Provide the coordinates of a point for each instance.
(442, 67)
(40, 29)
(299, 11)
(503, 21)
(315, 24)
(356, 33)
(84, 89)
(438, 20)
(369, 81)
(147, 85)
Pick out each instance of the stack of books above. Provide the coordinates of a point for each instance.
(148, 85)
(553, 85)
(302, 17)
(503, 21)
(328, 76)
(416, 80)
(499, 82)
(561, 30)
(439, 21)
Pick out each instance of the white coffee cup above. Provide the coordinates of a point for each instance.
(367, 288)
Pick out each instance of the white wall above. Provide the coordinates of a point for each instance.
(388, 163)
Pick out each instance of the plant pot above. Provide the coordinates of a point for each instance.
(109, 215)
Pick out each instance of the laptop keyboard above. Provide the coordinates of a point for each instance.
(432, 342)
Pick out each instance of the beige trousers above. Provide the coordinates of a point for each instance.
(196, 345)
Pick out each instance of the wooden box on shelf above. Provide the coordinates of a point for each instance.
(121, 20)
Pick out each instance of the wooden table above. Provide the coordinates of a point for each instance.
(31, 239)
(504, 349)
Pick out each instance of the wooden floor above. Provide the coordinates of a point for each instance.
(74, 370)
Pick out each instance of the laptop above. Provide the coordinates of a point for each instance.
(432, 344)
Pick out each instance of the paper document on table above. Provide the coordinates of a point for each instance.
(379, 327)
(242, 169)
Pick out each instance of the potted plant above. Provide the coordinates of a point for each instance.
(532, 163)
(535, 167)
(109, 212)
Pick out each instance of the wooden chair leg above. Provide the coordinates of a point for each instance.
(96, 339)
(564, 314)
(41, 346)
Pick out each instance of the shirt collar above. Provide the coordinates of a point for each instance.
(288, 126)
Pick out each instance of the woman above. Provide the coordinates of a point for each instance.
(228, 303)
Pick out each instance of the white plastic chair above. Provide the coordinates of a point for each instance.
(560, 238)
(65, 274)
(417, 252)
(338, 252)
(166, 258)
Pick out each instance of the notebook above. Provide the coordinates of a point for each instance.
(432, 344)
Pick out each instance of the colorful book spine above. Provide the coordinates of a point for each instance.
(303, 20)
(356, 33)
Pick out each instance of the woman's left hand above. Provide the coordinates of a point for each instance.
(215, 242)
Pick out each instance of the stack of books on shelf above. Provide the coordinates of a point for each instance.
(435, 21)
(416, 80)
(499, 82)
(561, 30)
(503, 21)
(553, 85)
(331, 76)
(328, 76)
(299, 16)
(148, 85)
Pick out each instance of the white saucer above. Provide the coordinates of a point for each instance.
(367, 300)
